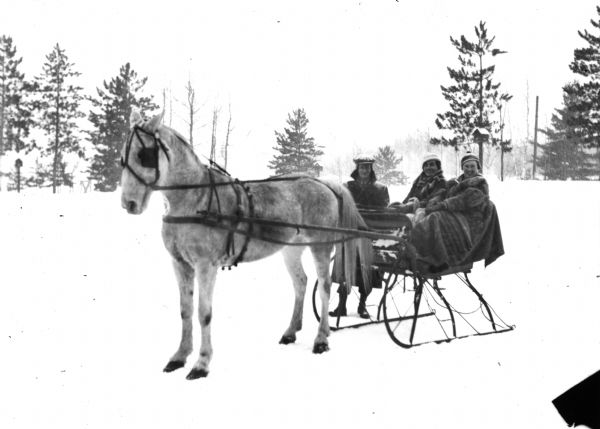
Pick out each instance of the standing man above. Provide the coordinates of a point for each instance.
(367, 194)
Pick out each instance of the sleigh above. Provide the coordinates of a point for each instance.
(416, 303)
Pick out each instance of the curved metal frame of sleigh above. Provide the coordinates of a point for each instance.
(411, 297)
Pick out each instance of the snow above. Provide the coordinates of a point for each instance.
(89, 315)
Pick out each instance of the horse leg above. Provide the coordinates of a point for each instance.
(292, 257)
(322, 259)
(185, 278)
(206, 275)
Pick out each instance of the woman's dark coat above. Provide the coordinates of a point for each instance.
(370, 194)
(427, 189)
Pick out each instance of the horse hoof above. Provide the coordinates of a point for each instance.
(197, 373)
(320, 348)
(287, 339)
(173, 365)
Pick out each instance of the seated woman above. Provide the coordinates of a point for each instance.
(464, 227)
(427, 189)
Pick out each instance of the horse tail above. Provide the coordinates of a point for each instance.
(346, 253)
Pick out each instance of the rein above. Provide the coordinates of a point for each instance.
(212, 219)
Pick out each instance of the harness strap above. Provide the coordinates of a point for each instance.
(239, 211)
(214, 223)
(234, 219)
(212, 189)
(229, 242)
(250, 200)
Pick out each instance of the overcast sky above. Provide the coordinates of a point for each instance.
(366, 72)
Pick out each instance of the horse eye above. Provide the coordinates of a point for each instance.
(148, 158)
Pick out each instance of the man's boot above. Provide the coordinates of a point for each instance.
(340, 311)
(362, 307)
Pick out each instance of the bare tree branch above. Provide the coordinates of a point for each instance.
(229, 130)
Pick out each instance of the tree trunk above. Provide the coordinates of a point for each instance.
(55, 162)
(225, 154)
(537, 99)
(480, 143)
(501, 164)
(170, 107)
(56, 136)
(192, 110)
(191, 124)
(213, 141)
(598, 155)
(524, 160)
(2, 106)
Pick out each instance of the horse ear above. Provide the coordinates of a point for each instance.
(135, 118)
(155, 122)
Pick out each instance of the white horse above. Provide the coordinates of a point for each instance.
(156, 157)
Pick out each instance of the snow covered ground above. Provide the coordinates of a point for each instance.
(89, 315)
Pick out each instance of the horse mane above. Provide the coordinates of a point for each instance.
(179, 136)
(184, 143)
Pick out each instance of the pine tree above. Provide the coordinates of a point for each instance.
(58, 104)
(474, 98)
(386, 166)
(505, 146)
(297, 153)
(15, 108)
(42, 175)
(584, 97)
(564, 156)
(110, 119)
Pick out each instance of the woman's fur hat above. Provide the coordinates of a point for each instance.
(430, 156)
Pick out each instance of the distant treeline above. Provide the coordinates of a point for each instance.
(51, 132)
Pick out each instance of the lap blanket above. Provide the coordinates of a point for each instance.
(445, 239)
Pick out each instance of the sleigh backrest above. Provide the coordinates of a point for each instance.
(390, 255)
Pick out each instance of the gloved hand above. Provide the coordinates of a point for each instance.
(413, 203)
(450, 183)
(434, 207)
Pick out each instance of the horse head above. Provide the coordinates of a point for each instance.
(144, 158)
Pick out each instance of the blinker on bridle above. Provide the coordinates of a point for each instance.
(147, 155)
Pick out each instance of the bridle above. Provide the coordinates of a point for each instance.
(148, 155)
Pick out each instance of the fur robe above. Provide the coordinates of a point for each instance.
(427, 189)
(466, 230)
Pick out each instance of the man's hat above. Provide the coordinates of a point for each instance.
(364, 159)
(470, 157)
